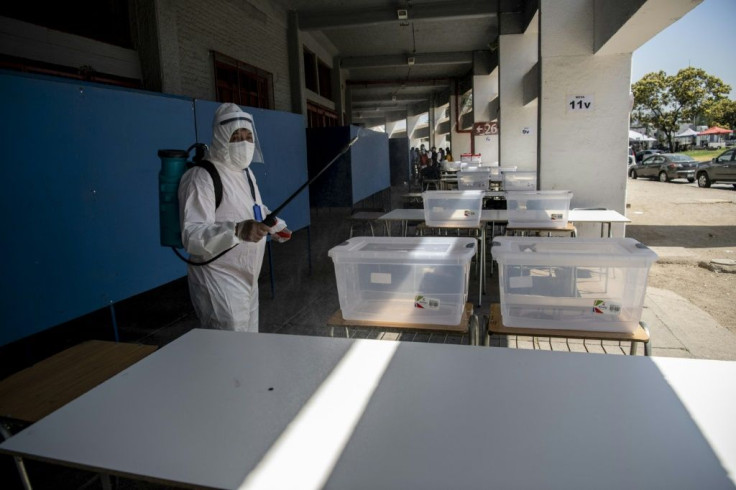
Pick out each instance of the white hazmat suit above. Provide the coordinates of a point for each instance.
(225, 291)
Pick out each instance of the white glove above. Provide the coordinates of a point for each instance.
(279, 232)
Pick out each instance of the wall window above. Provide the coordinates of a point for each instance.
(317, 75)
(111, 22)
(242, 83)
(310, 71)
(320, 117)
(325, 80)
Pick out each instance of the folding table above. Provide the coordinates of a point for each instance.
(221, 409)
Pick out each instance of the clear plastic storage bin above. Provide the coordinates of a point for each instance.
(474, 178)
(497, 173)
(452, 209)
(403, 280)
(595, 284)
(519, 180)
(470, 157)
(538, 209)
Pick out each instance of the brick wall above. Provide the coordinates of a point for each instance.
(251, 31)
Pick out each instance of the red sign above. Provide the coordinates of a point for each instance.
(485, 128)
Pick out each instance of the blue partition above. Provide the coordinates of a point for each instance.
(81, 227)
(370, 167)
(360, 173)
(284, 146)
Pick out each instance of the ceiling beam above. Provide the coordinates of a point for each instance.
(369, 123)
(401, 83)
(453, 58)
(378, 109)
(388, 98)
(336, 19)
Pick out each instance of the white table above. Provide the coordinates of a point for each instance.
(404, 216)
(240, 410)
(602, 216)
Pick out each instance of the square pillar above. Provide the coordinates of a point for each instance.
(584, 108)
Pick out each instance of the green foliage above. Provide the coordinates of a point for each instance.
(664, 102)
(722, 113)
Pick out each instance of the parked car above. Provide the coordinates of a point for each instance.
(665, 167)
(632, 156)
(721, 169)
(645, 153)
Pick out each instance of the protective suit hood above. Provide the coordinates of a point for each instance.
(228, 118)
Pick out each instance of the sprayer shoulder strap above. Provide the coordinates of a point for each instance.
(216, 181)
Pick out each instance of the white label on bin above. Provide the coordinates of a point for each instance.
(424, 303)
(602, 307)
(556, 216)
(520, 282)
(380, 278)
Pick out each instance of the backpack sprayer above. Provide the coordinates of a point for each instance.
(173, 165)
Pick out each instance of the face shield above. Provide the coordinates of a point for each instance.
(228, 119)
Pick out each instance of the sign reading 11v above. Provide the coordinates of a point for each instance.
(579, 103)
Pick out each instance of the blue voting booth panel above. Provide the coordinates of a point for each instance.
(80, 201)
(81, 197)
(360, 173)
(369, 163)
(284, 146)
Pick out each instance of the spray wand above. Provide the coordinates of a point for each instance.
(270, 220)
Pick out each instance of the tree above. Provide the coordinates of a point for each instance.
(722, 113)
(664, 102)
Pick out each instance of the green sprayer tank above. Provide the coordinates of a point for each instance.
(173, 166)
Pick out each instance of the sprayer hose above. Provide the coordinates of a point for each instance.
(206, 261)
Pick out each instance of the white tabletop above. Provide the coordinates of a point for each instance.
(486, 215)
(242, 410)
(596, 216)
(413, 195)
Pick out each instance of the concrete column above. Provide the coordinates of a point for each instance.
(584, 108)
(296, 67)
(459, 141)
(411, 124)
(348, 105)
(518, 117)
(338, 90)
(168, 46)
(485, 109)
(430, 121)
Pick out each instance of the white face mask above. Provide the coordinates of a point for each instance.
(241, 153)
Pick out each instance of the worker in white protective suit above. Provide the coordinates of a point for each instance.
(225, 291)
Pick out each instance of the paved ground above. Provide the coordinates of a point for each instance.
(689, 307)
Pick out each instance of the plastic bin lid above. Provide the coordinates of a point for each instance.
(572, 251)
(470, 194)
(538, 193)
(478, 169)
(445, 248)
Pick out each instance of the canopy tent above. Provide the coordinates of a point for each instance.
(635, 136)
(686, 133)
(715, 130)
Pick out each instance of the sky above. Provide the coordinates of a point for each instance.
(700, 39)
